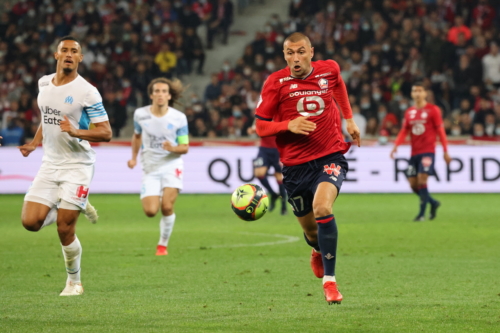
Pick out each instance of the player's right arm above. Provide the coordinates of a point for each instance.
(30, 147)
(136, 143)
(266, 109)
(400, 138)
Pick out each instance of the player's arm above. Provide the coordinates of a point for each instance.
(100, 133)
(342, 99)
(29, 147)
(400, 138)
(182, 140)
(442, 135)
(266, 109)
(136, 145)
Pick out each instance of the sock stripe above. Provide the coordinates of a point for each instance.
(324, 219)
(422, 186)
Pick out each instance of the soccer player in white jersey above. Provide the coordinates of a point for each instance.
(163, 133)
(68, 104)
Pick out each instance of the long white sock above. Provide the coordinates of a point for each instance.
(166, 227)
(72, 256)
(51, 217)
(329, 278)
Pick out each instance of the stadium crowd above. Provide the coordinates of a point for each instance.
(382, 47)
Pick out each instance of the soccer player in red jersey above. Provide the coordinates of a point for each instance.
(269, 156)
(298, 106)
(424, 122)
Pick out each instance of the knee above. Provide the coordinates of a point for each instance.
(64, 230)
(32, 225)
(150, 212)
(167, 210)
(322, 210)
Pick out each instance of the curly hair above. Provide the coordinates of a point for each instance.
(175, 88)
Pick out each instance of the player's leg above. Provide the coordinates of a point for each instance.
(310, 229)
(413, 184)
(151, 205)
(40, 203)
(150, 193)
(425, 168)
(168, 218)
(279, 180)
(261, 166)
(71, 247)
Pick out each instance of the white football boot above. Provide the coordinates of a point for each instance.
(90, 213)
(72, 289)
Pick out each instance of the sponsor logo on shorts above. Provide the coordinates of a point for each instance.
(332, 168)
(82, 191)
(426, 163)
(178, 173)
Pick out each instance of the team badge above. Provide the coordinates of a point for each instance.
(426, 162)
(68, 100)
(323, 83)
(424, 115)
(332, 168)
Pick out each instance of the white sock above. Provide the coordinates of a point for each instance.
(51, 217)
(72, 256)
(329, 278)
(166, 227)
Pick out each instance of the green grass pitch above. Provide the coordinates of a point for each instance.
(227, 275)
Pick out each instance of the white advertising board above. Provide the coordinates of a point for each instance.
(222, 169)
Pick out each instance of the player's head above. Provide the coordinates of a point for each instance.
(68, 54)
(418, 92)
(298, 54)
(163, 91)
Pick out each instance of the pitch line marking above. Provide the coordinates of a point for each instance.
(285, 239)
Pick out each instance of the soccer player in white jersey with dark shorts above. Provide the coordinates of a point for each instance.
(68, 104)
(162, 131)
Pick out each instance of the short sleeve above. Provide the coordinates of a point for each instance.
(268, 101)
(93, 107)
(183, 132)
(137, 126)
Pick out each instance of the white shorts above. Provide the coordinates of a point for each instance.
(169, 175)
(52, 185)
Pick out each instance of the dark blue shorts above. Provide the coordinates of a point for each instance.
(268, 157)
(301, 181)
(422, 163)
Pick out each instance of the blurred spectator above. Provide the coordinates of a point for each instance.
(116, 112)
(192, 50)
(166, 61)
(490, 61)
(13, 133)
(213, 90)
(220, 21)
(459, 29)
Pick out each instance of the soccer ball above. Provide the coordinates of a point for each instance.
(249, 202)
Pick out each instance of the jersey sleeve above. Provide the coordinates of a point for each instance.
(183, 132)
(268, 101)
(93, 107)
(438, 119)
(137, 126)
(340, 92)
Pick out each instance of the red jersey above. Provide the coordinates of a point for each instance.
(268, 142)
(284, 98)
(423, 125)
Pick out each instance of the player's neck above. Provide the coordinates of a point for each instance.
(62, 78)
(159, 110)
(420, 105)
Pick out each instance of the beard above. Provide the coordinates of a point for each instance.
(67, 70)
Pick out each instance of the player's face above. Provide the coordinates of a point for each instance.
(418, 93)
(68, 55)
(298, 56)
(161, 94)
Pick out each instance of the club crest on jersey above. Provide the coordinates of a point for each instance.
(323, 83)
(424, 115)
(68, 100)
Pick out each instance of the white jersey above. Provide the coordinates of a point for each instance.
(82, 104)
(155, 131)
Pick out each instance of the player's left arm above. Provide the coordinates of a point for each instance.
(340, 94)
(442, 134)
(182, 140)
(100, 133)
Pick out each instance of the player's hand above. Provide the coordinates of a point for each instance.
(250, 131)
(167, 146)
(1, 138)
(394, 151)
(301, 125)
(353, 130)
(131, 163)
(26, 149)
(66, 126)
(447, 158)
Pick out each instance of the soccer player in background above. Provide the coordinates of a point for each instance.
(163, 133)
(268, 156)
(424, 122)
(298, 106)
(60, 190)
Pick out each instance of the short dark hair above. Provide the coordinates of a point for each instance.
(68, 38)
(418, 84)
(297, 37)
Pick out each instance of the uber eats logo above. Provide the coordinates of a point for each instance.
(50, 116)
